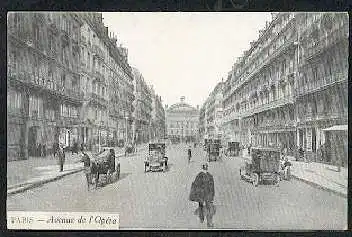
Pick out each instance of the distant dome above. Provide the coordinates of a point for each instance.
(181, 107)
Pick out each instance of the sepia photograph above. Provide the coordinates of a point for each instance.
(177, 120)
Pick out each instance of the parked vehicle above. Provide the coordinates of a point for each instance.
(130, 148)
(156, 159)
(213, 150)
(285, 169)
(232, 149)
(264, 165)
(103, 164)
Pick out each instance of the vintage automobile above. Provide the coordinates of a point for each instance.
(213, 151)
(263, 165)
(130, 148)
(156, 159)
(232, 149)
(206, 143)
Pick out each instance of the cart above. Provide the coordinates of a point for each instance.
(156, 159)
(101, 165)
(213, 151)
(233, 149)
(263, 165)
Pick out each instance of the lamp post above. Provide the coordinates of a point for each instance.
(296, 43)
(126, 135)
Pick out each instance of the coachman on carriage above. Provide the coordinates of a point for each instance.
(101, 164)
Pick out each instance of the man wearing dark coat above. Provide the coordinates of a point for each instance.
(61, 154)
(203, 192)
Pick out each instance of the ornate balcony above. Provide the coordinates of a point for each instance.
(98, 52)
(24, 79)
(97, 99)
(98, 75)
(53, 27)
(313, 117)
(64, 35)
(64, 121)
(83, 40)
(326, 41)
(321, 84)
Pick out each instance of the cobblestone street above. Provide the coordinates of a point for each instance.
(160, 200)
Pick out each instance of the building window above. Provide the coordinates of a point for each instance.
(315, 73)
(63, 80)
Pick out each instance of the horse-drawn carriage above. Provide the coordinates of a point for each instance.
(103, 163)
(232, 149)
(156, 159)
(213, 149)
(130, 148)
(263, 165)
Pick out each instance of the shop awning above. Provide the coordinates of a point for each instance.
(337, 128)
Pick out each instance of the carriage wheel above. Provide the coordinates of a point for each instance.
(242, 173)
(96, 180)
(277, 180)
(108, 176)
(288, 174)
(255, 178)
(118, 172)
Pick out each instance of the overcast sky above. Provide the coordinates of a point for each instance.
(185, 54)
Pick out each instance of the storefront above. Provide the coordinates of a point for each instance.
(335, 148)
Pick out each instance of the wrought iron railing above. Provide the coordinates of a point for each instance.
(321, 83)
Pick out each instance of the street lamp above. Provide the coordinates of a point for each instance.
(126, 135)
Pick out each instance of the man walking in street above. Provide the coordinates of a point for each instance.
(61, 154)
(189, 151)
(202, 191)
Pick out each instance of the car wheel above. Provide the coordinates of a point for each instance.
(255, 181)
(277, 180)
(288, 177)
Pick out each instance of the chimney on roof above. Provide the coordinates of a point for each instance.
(197, 107)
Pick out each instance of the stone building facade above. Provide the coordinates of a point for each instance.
(322, 85)
(68, 82)
(143, 111)
(182, 122)
(158, 117)
(213, 112)
(44, 93)
(291, 84)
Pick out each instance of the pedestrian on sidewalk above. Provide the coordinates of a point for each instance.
(189, 151)
(202, 191)
(61, 154)
(87, 170)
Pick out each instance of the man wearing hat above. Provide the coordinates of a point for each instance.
(202, 191)
(61, 154)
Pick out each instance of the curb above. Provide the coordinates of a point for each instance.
(319, 186)
(311, 183)
(26, 186)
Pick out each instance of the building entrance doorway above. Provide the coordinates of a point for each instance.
(32, 141)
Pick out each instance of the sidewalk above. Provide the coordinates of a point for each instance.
(320, 175)
(26, 174)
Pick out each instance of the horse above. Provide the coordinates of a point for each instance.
(95, 167)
